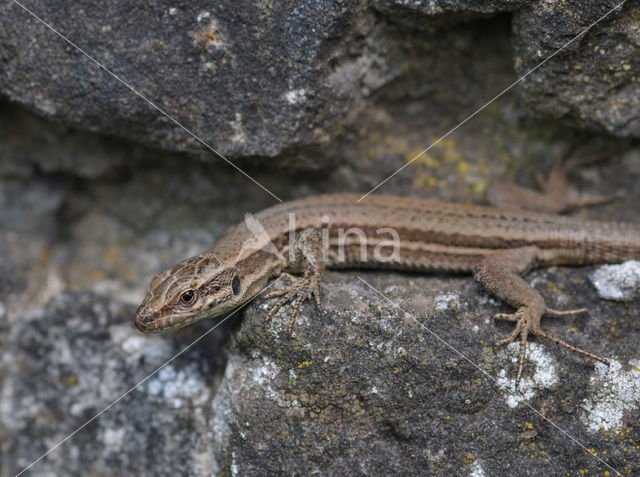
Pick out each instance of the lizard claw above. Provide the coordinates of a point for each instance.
(506, 316)
(524, 324)
(528, 321)
(299, 289)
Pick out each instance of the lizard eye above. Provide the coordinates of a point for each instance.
(188, 297)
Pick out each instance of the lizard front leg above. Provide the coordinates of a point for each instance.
(500, 273)
(306, 258)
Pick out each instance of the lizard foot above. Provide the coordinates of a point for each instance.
(298, 289)
(527, 321)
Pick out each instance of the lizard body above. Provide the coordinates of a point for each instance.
(496, 245)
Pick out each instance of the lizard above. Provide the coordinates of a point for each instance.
(496, 245)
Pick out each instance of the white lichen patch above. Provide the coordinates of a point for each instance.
(234, 465)
(153, 349)
(266, 372)
(617, 282)
(544, 376)
(259, 376)
(239, 135)
(434, 456)
(476, 470)
(113, 440)
(393, 289)
(254, 377)
(444, 300)
(177, 387)
(295, 96)
(612, 391)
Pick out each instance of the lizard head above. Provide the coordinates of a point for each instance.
(197, 288)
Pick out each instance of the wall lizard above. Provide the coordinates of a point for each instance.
(497, 245)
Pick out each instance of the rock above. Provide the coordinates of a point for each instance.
(79, 358)
(358, 387)
(617, 282)
(381, 399)
(430, 14)
(88, 214)
(291, 84)
(362, 387)
(593, 83)
(251, 82)
(30, 143)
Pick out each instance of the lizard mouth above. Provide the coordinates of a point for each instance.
(145, 323)
(149, 322)
(152, 323)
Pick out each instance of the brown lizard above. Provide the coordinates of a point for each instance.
(497, 245)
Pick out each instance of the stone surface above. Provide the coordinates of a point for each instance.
(617, 282)
(363, 387)
(594, 83)
(285, 79)
(237, 75)
(430, 14)
(358, 387)
(73, 358)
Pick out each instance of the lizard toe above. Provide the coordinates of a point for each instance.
(506, 316)
(297, 291)
(512, 337)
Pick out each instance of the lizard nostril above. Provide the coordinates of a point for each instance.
(142, 321)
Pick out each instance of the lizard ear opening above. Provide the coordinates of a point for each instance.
(235, 285)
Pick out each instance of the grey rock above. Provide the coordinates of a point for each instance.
(29, 144)
(285, 80)
(239, 76)
(430, 14)
(358, 387)
(362, 387)
(380, 401)
(593, 83)
(79, 358)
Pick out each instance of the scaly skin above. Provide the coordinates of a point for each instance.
(496, 245)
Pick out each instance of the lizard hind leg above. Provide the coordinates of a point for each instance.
(500, 273)
(529, 323)
(554, 196)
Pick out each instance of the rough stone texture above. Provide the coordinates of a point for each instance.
(430, 14)
(86, 219)
(361, 388)
(284, 78)
(240, 75)
(358, 387)
(70, 360)
(595, 83)
(617, 282)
